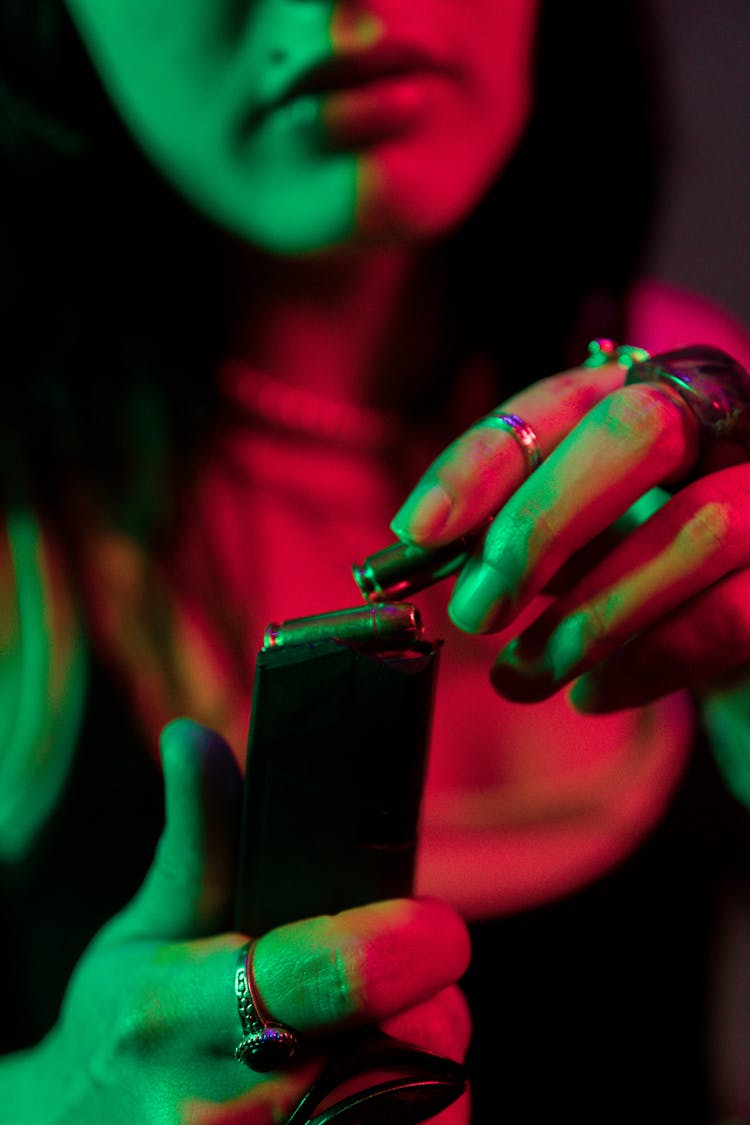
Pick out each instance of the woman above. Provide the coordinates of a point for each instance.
(339, 164)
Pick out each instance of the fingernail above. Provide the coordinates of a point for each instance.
(424, 514)
(586, 696)
(567, 646)
(536, 664)
(520, 679)
(512, 662)
(604, 689)
(478, 599)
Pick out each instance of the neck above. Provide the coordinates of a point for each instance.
(359, 328)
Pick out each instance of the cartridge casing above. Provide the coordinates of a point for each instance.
(403, 569)
(381, 628)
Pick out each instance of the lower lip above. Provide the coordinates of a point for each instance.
(379, 109)
(376, 111)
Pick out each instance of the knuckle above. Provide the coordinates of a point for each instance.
(480, 443)
(648, 422)
(308, 973)
(322, 982)
(469, 459)
(140, 1026)
(384, 973)
(539, 517)
(515, 544)
(636, 412)
(333, 982)
(711, 529)
(712, 516)
(580, 389)
(570, 385)
(601, 615)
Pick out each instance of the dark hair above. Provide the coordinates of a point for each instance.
(103, 338)
(104, 372)
(564, 230)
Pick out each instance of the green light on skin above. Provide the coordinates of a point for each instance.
(192, 82)
(41, 702)
(606, 351)
(726, 716)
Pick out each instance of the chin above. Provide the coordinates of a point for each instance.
(416, 218)
(299, 236)
(390, 213)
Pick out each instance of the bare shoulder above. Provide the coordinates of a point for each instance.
(664, 316)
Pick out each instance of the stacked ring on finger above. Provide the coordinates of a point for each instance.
(521, 431)
(714, 386)
(266, 1044)
(404, 569)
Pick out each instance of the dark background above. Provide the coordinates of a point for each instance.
(703, 231)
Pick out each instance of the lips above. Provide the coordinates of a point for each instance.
(358, 71)
(346, 72)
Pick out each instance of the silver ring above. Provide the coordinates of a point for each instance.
(521, 431)
(265, 1045)
(714, 386)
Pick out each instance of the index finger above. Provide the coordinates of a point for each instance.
(362, 965)
(322, 974)
(481, 469)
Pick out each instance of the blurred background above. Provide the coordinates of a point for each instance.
(703, 230)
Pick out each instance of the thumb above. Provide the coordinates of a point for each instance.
(189, 889)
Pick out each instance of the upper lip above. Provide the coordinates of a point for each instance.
(341, 72)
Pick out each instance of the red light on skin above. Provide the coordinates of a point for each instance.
(469, 112)
(379, 110)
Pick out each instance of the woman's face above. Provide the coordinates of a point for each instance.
(303, 124)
